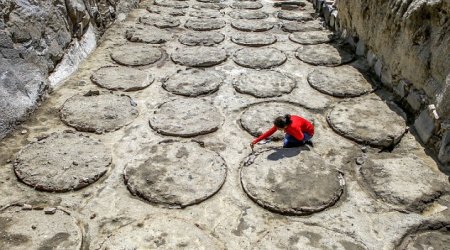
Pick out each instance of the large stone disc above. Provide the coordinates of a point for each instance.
(259, 117)
(98, 113)
(251, 25)
(247, 5)
(427, 240)
(248, 14)
(136, 54)
(294, 16)
(205, 13)
(368, 120)
(264, 84)
(147, 34)
(194, 82)
(259, 58)
(210, 1)
(177, 174)
(204, 24)
(213, 6)
(291, 181)
(122, 78)
(166, 10)
(253, 39)
(324, 54)
(172, 3)
(162, 22)
(302, 26)
(186, 118)
(33, 229)
(301, 237)
(199, 56)
(164, 232)
(312, 37)
(342, 81)
(205, 38)
(62, 162)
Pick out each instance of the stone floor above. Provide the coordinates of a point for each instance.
(147, 144)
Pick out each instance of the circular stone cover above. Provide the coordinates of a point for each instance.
(259, 117)
(259, 58)
(307, 237)
(368, 120)
(248, 14)
(247, 5)
(33, 229)
(165, 10)
(62, 162)
(264, 83)
(136, 54)
(312, 37)
(299, 185)
(433, 239)
(148, 35)
(121, 78)
(159, 21)
(205, 38)
(194, 82)
(213, 6)
(324, 54)
(206, 24)
(172, 3)
(209, 1)
(294, 16)
(199, 56)
(341, 81)
(253, 39)
(186, 118)
(98, 113)
(161, 233)
(177, 174)
(302, 26)
(251, 25)
(205, 13)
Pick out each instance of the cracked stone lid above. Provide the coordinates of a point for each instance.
(264, 83)
(307, 237)
(248, 14)
(250, 5)
(172, 3)
(122, 78)
(62, 162)
(98, 113)
(204, 24)
(312, 37)
(292, 181)
(213, 6)
(324, 54)
(295, 16)
(136, 54)
(302, 26)
(406, 182)
(186, 118)
(368, 120)
(166, 10)
(176, 174)
(259, 117)
(251, 25)
(205, 13)
(34, 229)
(439, 238)
(253, 39)
(259, 58)
(206, 38)
(199, 56)
(146, 34)
(162, 22)
(341, 81)
(161, 232)
(194, 82)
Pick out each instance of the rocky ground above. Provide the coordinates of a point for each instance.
(147, 144)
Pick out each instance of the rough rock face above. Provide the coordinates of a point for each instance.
(34, 37)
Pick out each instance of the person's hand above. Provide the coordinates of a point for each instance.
(252, 145)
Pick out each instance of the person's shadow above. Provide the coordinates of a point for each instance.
(280, 153)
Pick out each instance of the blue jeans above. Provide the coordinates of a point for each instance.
(291, 142)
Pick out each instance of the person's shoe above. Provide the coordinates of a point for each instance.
(310, 143)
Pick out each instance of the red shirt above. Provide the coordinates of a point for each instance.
(296, 129)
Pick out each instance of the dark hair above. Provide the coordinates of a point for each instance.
(282, 121)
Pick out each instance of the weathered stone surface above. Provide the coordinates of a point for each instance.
(199, 56)
(210, 1)
(213, 6)
(122, 78)
(291, 181)
(186, 118)
(251, 25)
(168, 233)
(324, 54)
(426, 239)
(33, 229)
(205, 13)
(98, 113)
(264, 83)
(302, 26)
(206, 24)
(368, 120)
(206, 38)
(62, 162)
(172, 3)
(166, 10)
(248, 14)
(342, 81)
(247, 5)
(259, 58)
(145, 34)
(311, 37)
(136, 54)
(294, 16)
(444, 151)
(425, 125)
(176, 174)
(162, 22)
(194, 82)
(253, 39)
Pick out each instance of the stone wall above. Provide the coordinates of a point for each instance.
(35, 36)
(407, 44)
